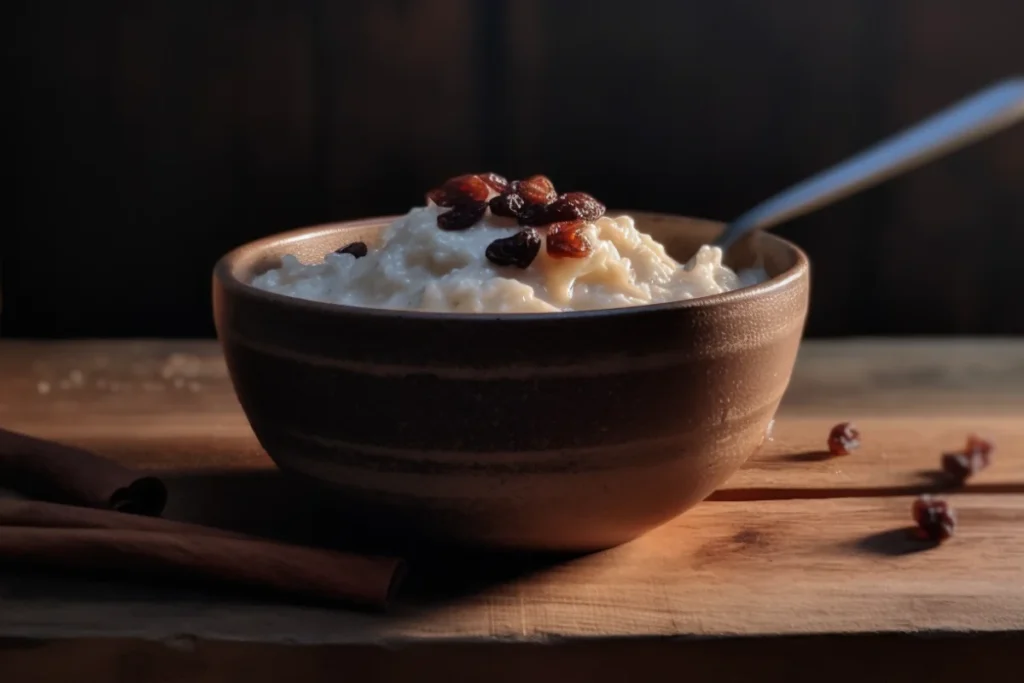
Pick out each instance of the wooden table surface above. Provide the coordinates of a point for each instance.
(800, 558)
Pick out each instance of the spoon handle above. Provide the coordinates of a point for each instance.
(971, 119)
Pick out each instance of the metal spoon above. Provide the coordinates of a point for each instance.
(989, 111)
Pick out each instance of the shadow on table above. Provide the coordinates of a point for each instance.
(938, 481)
(894, 543)
(269, 503)
(805, 456)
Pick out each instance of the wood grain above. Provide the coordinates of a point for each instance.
(898, 455)
(799, 551)
(170, 406)
(750, 568)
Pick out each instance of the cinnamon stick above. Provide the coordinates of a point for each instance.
(57, 472)
(48, 535)
(294, 570)
(35, 513)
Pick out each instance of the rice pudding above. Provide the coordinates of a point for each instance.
(483, 245)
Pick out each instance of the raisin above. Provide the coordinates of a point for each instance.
(843, 439)
(534, 215)
(494, 181)
(462, 216)
(508, 204)
(357, 249)
(472, 187)
(974, 458)
(961, 466)
(536, 189)
(574, 206)
(460, 190)
(976, 444)
(936, 520)
(568, 239)
(519, 250)
(440, 197)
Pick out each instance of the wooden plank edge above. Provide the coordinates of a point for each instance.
(821, 493)
(839, 658)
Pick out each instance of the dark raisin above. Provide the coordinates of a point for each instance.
(357, 249)
(536, 189)
(494, 181)
(462, 216)
(508, 205)
(460, 190)
(519, 250)
(936, 520)
(568, 240)
(974, 458)
(534, 215)
(961, 466)
(843, 439)
(575, 206)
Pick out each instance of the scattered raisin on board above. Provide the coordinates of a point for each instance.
(843, 439)
(975, 457)
(961, 466)
(976, 444)
(936, 520)
(357, 249)
(519, 250)
(568, 240)
(462, 216)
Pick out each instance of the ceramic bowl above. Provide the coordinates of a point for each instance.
(561, 432)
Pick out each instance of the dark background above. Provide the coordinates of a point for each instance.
(147, 138)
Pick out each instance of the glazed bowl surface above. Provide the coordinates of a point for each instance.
(555, 432)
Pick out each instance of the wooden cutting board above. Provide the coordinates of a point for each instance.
(800, 558)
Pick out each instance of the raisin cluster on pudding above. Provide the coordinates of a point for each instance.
(483, 244)
(532, 202)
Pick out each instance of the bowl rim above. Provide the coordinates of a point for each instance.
(223, 273)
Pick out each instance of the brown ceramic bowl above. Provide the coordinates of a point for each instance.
(568, 432)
